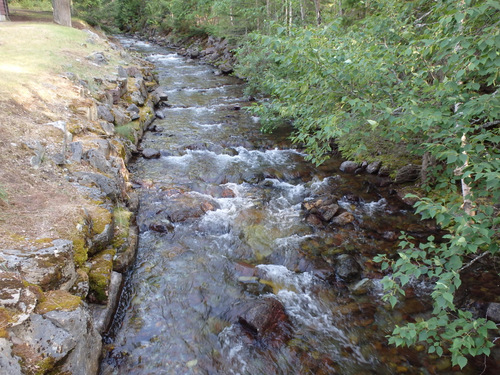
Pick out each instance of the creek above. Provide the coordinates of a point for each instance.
(231, 275)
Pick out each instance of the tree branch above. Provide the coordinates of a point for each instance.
(473, 261)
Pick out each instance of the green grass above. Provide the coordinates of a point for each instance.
(43, 5)
(4, 197)
(31, 51)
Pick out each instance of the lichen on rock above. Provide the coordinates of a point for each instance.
(100, 275)
(58, 300)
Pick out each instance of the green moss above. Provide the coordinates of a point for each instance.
(145, 114)
(122, 218)
(100, 275)
(45, 365)
(58, 300)
(5, 319)
(81, 252)
(100, 218)
(129, 131)
(122, 153)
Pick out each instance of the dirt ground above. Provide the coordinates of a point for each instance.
(37, 203)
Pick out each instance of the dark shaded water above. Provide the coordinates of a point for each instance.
(228, 199)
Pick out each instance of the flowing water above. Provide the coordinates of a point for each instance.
(222, 228)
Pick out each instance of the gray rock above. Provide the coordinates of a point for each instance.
(362, 287)
(101, 240)
(328, 212)
(347, 268)
(151, 153)
(36, 160)
(92, 37)
(125, 258)
(132, 108)
(98, 58)
(493, 312)
(50, 268)
(44, 336)
(349, 166)
(160, 115)
(108, 127)
(133, 71)
(122, 73)
(97, 159)
(83, 357)
(104, 313)
(104, 146)
(193, 53)
(121, 118)
(107, 185)
(104, 113)
(17, 297)
(8, 362)
(226, 68)
(161, 95)
(59, 158)
(374, 167)
(137, 98)
(76, 149)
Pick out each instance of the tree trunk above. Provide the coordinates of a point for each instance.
(302, 12)
(317, 7)
(62, 12)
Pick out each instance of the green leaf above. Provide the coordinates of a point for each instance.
(461, 361)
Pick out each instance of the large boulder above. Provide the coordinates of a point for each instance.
(50, 268)
(8, 362)
(61, 341)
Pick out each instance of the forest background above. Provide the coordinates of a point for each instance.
(393, 80)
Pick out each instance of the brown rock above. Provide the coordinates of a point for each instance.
(265, 320)
(343, 219)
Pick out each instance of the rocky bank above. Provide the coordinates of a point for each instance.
(56, 300)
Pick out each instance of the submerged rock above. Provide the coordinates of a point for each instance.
(343, 219)
(265, 320)
(151, 153)
(347, 268)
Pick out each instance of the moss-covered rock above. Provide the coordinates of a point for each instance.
(81, 287)
(122, 220)
(100, 275)
(81, 251)
(58, 300)
(102, 228)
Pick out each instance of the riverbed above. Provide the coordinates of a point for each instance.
(235, 273)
